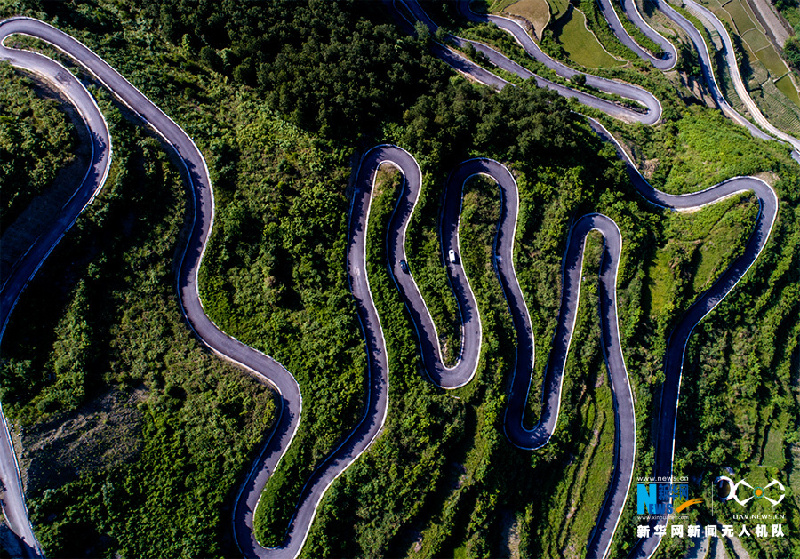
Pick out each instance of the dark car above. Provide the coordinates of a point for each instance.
(404, 266)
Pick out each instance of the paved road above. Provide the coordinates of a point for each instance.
(707, 69)
(200, 186)
(471, 331)
(464, 369)
(375, 413)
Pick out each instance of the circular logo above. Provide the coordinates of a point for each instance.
(756, 492)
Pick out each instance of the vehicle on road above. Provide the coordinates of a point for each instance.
(404, 266)
(452, 256)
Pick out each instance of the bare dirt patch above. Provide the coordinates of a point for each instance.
(105, 432)
(509, 537)
(649, 167)
(535, 12)
(768, 177)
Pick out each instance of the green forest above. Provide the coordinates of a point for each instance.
(137, 438)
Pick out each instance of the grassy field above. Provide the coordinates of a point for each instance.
(720, 245)
(740, 18)
(580, 43)
(774, 455)
(535, 11)
(500, 5)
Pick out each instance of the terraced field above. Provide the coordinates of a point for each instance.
(755, 39)
(784, 113)
(786, 86)
(772, 61)
(738, 14)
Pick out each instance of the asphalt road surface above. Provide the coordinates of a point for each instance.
(463, 370)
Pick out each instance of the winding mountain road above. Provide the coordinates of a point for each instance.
(651, 107)
(669, 55)
(459, 374)
(706, 302)
(471, 328)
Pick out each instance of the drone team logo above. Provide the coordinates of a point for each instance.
(751, 492)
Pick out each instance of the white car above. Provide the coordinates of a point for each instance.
(452, 255)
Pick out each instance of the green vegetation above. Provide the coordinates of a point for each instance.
(771, 61)
(585, 39)
(260, 166)
(500, 5)
(787, 87)
(698, 151)
(36, 141)
(791, 50)
(789, 10)
(597, 23)
(112, 363)
(739, 16)
(503, 42)
(760, 65)
(755, 39)
(269, 281)
(752, 321)
(700, 246)
(391, 485)
(776, 106)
